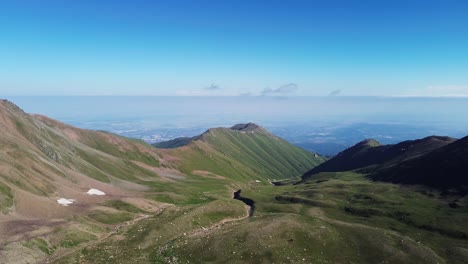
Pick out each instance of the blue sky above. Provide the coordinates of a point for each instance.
(241, 47)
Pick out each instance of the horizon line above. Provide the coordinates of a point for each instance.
(246, 96)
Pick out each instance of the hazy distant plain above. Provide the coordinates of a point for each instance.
(323, 124)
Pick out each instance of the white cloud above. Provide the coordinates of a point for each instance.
(211, 90)
(204, 92)
(213, 87)
(282, 90)
(335, 93)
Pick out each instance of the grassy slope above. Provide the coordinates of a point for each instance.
(244, 156)
(365, 222)
(421, 216)
(40, 158)
(36, 148)
(6, 198)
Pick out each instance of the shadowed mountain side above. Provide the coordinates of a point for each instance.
(371, 154)
(175, 143)
(444, 168)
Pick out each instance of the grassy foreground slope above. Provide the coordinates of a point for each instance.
(243, 152)
(335, 218)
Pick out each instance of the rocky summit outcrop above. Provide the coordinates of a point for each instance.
(249, 127)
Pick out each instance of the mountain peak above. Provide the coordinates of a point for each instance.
(369, 142)
(183, 141)
(438, 138)
(11, 106)
(360, 147)
(249, 127)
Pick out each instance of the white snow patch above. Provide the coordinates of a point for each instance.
(95, 192)
(65, 202)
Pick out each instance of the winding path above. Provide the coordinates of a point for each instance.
(206, 230)
(249, 209)
(115, 229)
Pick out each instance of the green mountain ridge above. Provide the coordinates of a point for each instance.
(244, 151)
(183, 141)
